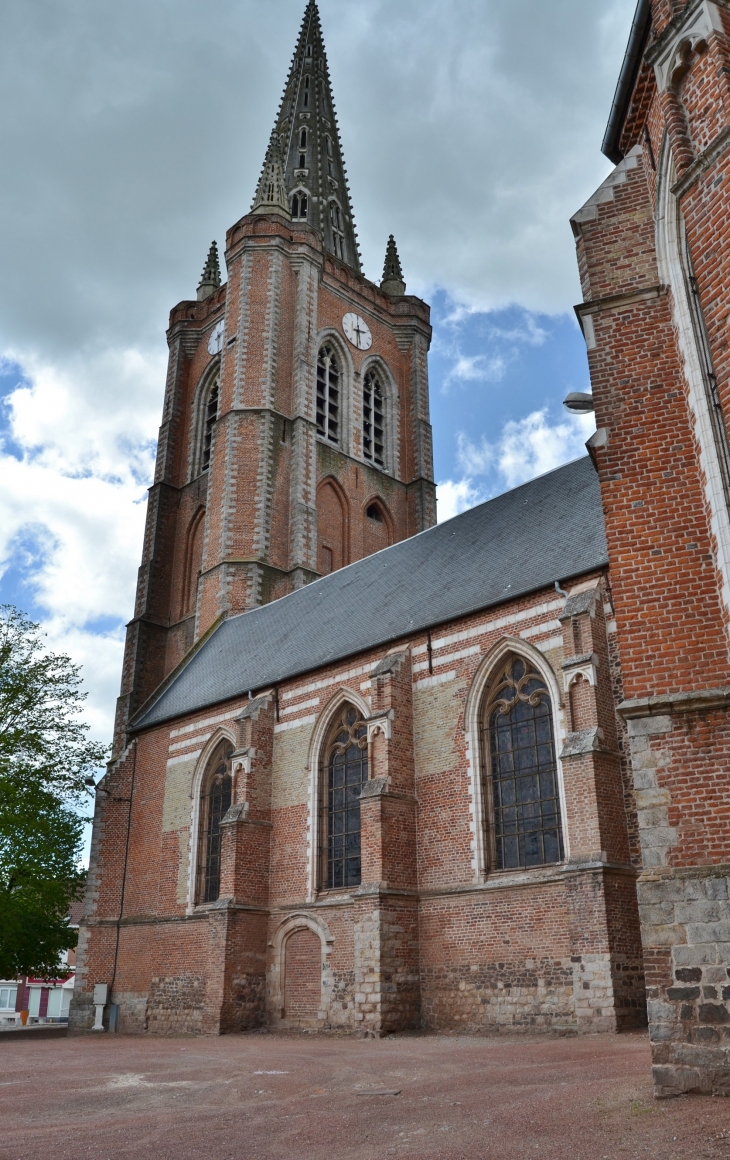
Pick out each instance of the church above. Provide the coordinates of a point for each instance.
(373, 774)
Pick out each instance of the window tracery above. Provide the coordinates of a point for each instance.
(216, 796)
(347, 772)
(373, 419)
(524, 792)
(328, 394)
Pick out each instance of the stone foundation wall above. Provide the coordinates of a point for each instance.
(176, 1005)
(515, 995)
(685, 917)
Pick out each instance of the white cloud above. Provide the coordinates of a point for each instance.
(132, 139)
(531, 446)
(525, 449)
(72, 505)
(479, 368)
(455, 497)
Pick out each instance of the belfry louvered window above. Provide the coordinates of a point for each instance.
(328, 394)
(373, 439)
(525, 817)
(211, 415)
(347, 772)
(214, 805)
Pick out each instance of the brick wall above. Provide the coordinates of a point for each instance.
(654, 259)
(434, 935)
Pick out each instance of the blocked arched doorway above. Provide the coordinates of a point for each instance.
(302, 976)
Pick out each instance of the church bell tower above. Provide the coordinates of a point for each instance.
(295, 434)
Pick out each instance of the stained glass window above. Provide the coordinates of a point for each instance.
(524, 776)
(347, 773)
(215, 803)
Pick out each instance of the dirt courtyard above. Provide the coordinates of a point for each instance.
(262, 1096)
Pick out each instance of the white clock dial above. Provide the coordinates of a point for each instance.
(215, 342)
(357, 331)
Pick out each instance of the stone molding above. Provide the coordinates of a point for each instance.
(586, 741)
(585, 666)
(380, 723)
(617, 301)
(688, 32)
(696, 701)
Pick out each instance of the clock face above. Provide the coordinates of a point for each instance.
(215, 342)
(357, 331)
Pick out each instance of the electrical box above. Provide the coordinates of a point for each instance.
(101, 994)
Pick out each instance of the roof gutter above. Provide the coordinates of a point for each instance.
(626, 81)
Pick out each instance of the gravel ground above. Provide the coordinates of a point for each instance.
(262, 1096)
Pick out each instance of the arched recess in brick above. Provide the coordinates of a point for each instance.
(301, 992)
(193, 562)
(317, 770)
(333, 527)
(377, 526)
(477, 766)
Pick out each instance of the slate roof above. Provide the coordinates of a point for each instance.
(546, 530)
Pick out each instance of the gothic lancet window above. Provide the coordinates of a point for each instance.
(338, 235)
(373, 445)
(524, 795)
(347, 772)
(328, 394)
(306, 92)
(299, 206)
(211, 415)
(215, 802)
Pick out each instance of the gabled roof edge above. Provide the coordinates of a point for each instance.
(626, 81)
(137, 725)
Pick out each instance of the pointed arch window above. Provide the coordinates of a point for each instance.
(299, 206)
(216, 796)
(328, 394)
(346, 772)
(211, 415)
(523, 793)
(306, 92)
(373, 419)
(338, 234)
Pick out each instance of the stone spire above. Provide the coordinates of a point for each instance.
(314, 170)
(392, 273)
(211, 279)
(271, 195)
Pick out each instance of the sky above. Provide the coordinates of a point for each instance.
(133, 134)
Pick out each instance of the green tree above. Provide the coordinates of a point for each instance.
(46, 760)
